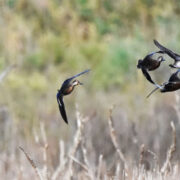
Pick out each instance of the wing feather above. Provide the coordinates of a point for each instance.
(151, 54)
(146, 74)
(71, 78)
(62, 108)
(166, 50)
(174, 77)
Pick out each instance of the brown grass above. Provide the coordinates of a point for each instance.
(76, 165)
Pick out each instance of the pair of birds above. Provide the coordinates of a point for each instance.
(150, 64)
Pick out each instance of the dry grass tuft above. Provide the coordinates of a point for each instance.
(172, 149)
(76, 164)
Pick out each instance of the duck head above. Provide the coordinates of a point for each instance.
(139, 63)
(160, 58)
(76, 82)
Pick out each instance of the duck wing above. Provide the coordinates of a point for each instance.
(62, 107)
(172, 54)
(146, 74)
(67, 81)
(87, 70)
(148, 57)
(174, 77)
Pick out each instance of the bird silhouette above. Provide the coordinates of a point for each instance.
(173, 84)
(170, 53)
(66, 88)
(150, 64)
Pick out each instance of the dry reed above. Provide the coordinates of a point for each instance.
(114, 138)
(37, 171)
(66, 170)
(170, 152)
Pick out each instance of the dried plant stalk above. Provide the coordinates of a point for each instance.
(81, 164)
(99, 166)
(142, 152)
(90, 172)
(155, 157)
(77, 140)
(114, 138)
(32, 164)
(62, 161)
(117, 174)
(45, 148)
(170, 152)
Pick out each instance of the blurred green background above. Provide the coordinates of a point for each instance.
(51, 40)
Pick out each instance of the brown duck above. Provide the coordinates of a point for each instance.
(150, 64)
(66, 88)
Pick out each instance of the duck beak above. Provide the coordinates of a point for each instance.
(80, 83)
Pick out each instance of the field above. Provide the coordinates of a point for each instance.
(114, 131)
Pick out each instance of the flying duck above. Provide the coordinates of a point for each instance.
(150, 64)
(66, 88)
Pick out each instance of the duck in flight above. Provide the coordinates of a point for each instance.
(66, 88)
(150, 64)
(173, 84)
(170, 53)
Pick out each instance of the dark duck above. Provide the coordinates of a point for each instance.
(66, 88)
(170, 53)
(173, 84)
(150, 64)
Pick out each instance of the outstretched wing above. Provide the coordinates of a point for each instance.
(71, 78)
(174, 77)
(151, 54)
(148, 77)
(62, 108)
(80, 74)
(146, 74)
(166, 50)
